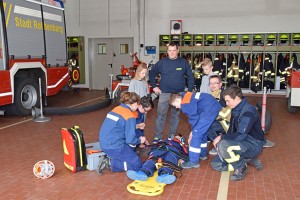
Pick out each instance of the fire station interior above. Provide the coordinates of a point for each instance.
(254, 45)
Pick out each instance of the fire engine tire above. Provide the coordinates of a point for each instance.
(291, 109)
(76, 110)
(26, 97)
(75, 75)
(268, 119)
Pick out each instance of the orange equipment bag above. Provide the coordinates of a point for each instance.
(74, 149)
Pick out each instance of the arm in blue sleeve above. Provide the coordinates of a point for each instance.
(243, 128)
(153, 73)
(190, 77)
(130, 132)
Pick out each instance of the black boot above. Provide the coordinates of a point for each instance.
(239, 174)
(256, 163)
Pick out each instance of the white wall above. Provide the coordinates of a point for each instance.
(146, 19)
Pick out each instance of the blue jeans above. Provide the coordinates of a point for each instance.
(215, 129)
(235, 154)
(162, 110)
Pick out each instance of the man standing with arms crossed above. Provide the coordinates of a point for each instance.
(173, 72)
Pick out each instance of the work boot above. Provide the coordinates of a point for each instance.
(239, 174)
(166, 179)
(256, 163)
(189, 165)
(213, 151)
(137, 175)
(203, 157)
(103, 164)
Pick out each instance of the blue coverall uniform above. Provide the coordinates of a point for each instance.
(170, 152)
(244, 139)
(117, 136)
(201, 109)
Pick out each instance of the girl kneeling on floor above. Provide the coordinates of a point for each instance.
(117, 135)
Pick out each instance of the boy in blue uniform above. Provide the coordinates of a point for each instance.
(244, 139)
(117, 134)
(201, 109)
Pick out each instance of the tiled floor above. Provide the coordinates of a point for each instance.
(24, 142)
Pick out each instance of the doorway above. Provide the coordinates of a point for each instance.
(106, 51)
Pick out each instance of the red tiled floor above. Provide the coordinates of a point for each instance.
(23, 144)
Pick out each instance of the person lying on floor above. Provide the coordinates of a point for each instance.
(117, 135)
(168, 154)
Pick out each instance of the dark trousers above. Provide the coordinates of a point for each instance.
(233, 155)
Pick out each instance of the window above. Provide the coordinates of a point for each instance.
(101, 48)
(123, 48)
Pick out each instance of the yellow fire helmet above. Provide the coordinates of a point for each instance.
(198, 38)
(296, 36)
(233, 38)
(257, 37)
(245, 38)
(165, 38)
(187, 38)
(284, 37)
(209, 38)
(271, 37)
(221, 38)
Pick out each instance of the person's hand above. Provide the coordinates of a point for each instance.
(146, 142)
(141, 126)
(190, 138)
(216, 141)
(143, 139)
(157, 90)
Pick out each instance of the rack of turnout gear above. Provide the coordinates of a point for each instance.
(250, 60)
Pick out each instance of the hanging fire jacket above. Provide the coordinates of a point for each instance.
(295, 64)
(269, 72)
(208, 55)
(233, 72)
(256, 68)
(247, 70)
(268, 67)
(217, 65)
(281, 71)
(242, 71)
(198, 72)
(223, 60)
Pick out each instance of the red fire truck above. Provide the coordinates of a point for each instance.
(32, 46)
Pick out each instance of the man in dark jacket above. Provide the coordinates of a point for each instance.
(244, 139)
(174, 73)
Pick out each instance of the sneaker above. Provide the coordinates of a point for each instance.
(103, 164)
(166, 179)
(239, 174)
(170, 138)
(137, 175)
(256, 163)
(189, 165)
(213, 151)
(155, 140)
(269, 144)
(203, 157)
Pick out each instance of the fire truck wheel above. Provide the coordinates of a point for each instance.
(291, 109)
(26, 96)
